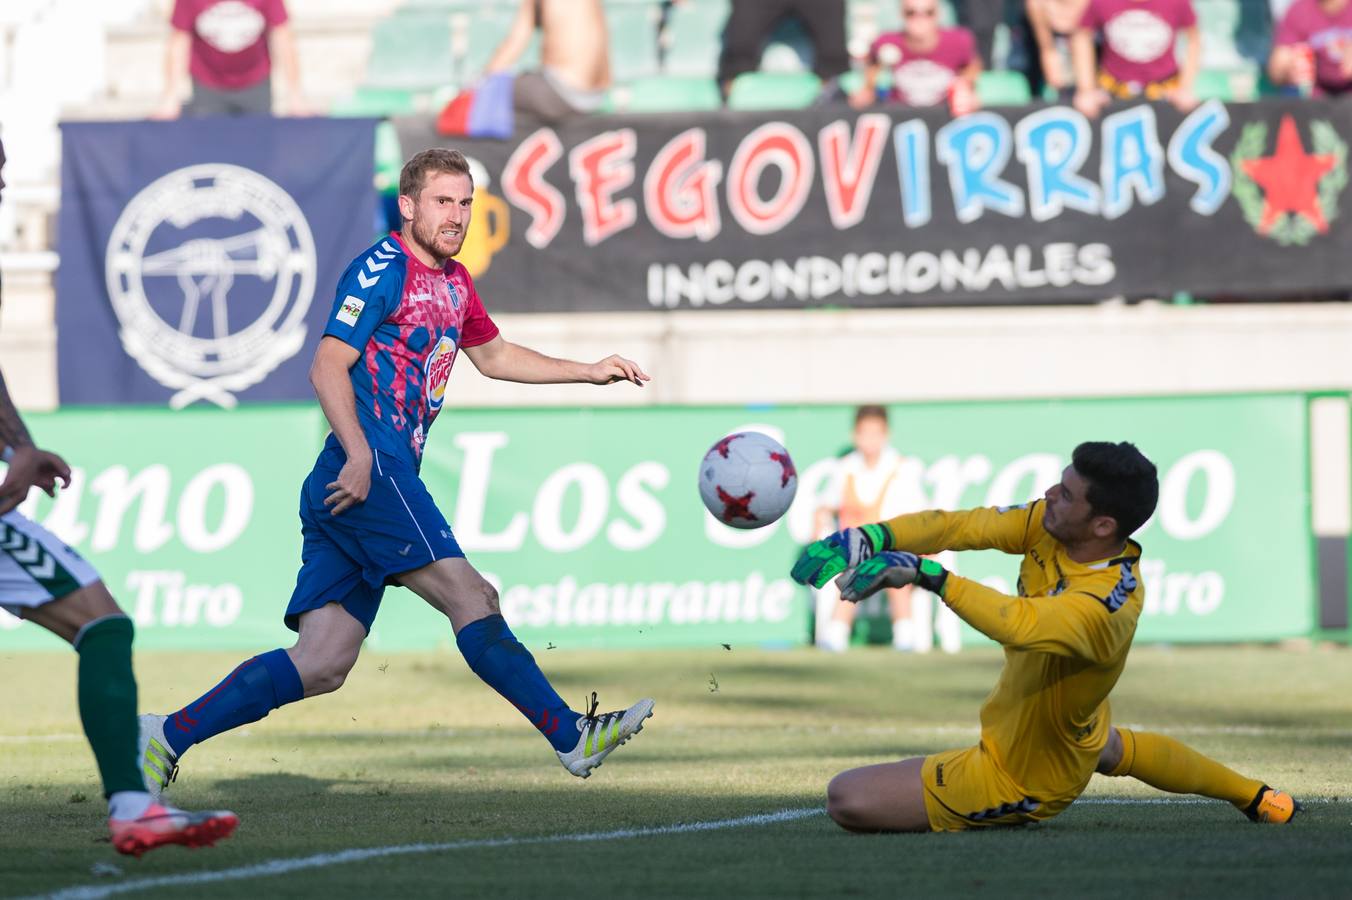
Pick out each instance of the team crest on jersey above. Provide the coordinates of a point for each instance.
(438, 370)
(211, 270)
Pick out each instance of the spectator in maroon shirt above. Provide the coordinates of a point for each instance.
(226, 48)
(1313, 47)
(929, 64)
(1137, 58)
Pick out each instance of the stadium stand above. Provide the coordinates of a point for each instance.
(75, 59)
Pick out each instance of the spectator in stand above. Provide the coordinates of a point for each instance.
(752, 22)
(574, 72)
(1138, 56)
(1313, 47)
(1052, 22)
(928, 64)
(226, 48)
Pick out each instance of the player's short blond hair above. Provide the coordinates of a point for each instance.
(413, 176)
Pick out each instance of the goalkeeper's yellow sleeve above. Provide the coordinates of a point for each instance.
(1012, 529)
(1076, 623)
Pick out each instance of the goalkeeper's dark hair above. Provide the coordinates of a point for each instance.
(1123, 484)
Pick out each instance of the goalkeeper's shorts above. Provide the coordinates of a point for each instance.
(965, 789)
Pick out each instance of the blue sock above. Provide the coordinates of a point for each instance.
(505, 665)
(256, 687)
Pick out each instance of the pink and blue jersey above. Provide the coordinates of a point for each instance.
(409, 321)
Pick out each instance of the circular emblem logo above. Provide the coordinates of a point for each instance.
(211, 270)
(438, 371)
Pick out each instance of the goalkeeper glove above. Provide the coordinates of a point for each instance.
(823, 560)
(891, 569)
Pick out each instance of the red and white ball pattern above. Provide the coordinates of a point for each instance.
(747, 480)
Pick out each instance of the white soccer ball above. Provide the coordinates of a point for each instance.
(747, 480)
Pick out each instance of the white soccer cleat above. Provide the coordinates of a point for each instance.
(157, 762)
(598, 735)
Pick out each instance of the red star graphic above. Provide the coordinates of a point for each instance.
(1290, 179)
(736, 507)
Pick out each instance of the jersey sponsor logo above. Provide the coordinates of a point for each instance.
(351, 309)
(211, 269)
(438, 371)
(1126, 583)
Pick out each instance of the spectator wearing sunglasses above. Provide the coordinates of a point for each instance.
(928, 64)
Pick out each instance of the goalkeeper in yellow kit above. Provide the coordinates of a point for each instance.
(1046, 727)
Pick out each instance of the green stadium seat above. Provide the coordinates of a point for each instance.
(478, 34)
(633, 39)
(774, 90)
(411, 50)
(378, 101)
(666, 94)
(1213, 84)
(1003, 88)
(693, 37)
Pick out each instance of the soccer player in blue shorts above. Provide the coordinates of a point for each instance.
(404, 309)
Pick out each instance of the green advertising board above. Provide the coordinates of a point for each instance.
(590, 524)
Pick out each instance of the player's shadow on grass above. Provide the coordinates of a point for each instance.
(284, 784)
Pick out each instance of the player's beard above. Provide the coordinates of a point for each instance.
(428, 235)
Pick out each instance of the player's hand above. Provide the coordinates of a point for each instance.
(823, 560)
(615, 368)
(890, 569)
(352, 486)
(30, 467)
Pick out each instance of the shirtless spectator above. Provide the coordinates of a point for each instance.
(1052, 23)
(226, 48)
(1313, 47)
(1137, 58)
(574, 72)
(929, 64)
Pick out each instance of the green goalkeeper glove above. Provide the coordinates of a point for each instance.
(891, 569)
(823, 560)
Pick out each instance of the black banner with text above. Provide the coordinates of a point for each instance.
(904, 207)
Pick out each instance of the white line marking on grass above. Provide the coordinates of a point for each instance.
(324, 860)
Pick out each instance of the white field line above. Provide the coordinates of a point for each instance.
(324, 860)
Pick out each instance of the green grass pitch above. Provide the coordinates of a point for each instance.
(414, 749)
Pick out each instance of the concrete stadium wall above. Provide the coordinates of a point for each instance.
(848, 356)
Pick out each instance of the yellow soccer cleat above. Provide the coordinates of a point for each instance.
(1272, 807)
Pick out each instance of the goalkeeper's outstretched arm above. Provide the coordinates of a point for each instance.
(1008, 528)
(1076, 623)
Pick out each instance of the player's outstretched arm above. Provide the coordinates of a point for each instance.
(333, 386)
(28, 466)
(505, 361)
(1075, 623)
(1010, 529)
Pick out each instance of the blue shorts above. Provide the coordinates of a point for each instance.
(350, 557)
